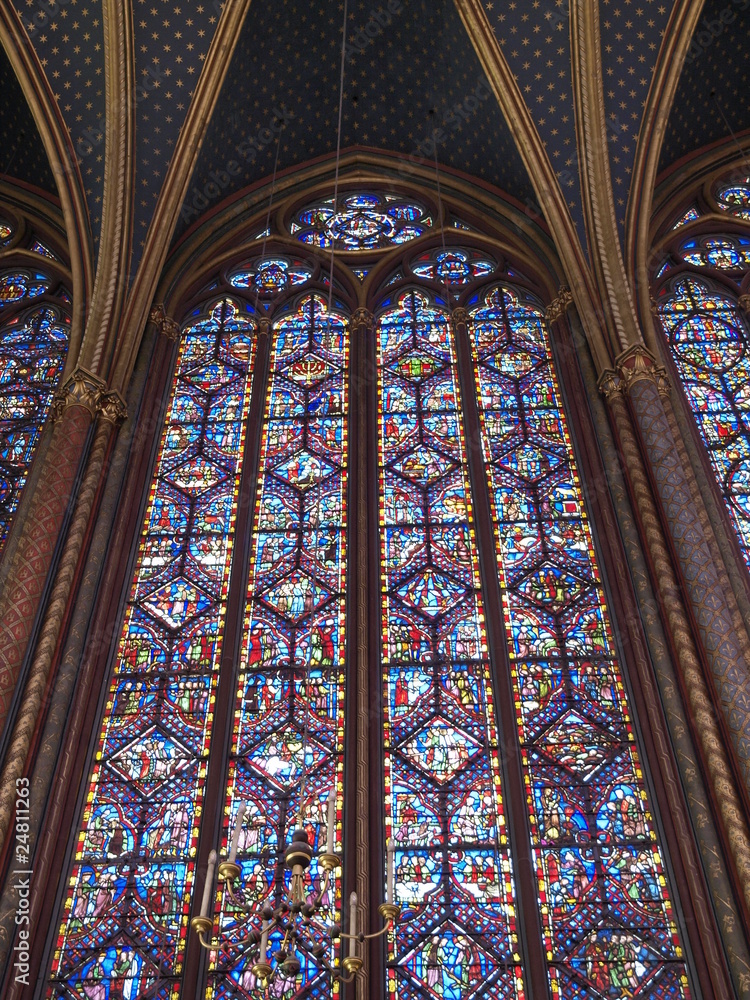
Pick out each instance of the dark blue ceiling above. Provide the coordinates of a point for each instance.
(22, 154)
(287, 62)
(68, 38)
(718, 61)
(631, 38)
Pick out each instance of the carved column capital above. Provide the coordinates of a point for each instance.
(82, 388)
(559, 305)
(264, 326)
(638, 364)
(362, 317)
(744, 303)
(169, 327)
(112, 407)
(460, 317)
(610, 385)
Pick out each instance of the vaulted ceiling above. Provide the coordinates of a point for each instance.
(417, 59)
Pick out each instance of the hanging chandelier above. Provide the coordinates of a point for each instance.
(292, 919)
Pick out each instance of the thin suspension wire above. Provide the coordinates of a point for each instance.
(743, 154)
(440, 210)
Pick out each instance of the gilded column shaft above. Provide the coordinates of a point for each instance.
(708, 602)
(25, 724)
(717, 763)
(33, 557)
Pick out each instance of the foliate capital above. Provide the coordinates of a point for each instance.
(610, 385)
(559, 305)
(638, 364)
(362, 317)
(744, 303)
(112, 407)
(460, 317)
(82, 388)
(169, 327)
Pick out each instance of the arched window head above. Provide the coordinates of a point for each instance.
(271, 275)
(735, 198)
(361, 222)
(708, 339)
(726, 253)
(16, 285)
(452, 266)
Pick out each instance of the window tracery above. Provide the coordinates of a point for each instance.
(16, 285)
(606, 914)
(363, 222)
(735, 198)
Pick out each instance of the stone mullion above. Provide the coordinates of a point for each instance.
(362, 336)
(717, 764)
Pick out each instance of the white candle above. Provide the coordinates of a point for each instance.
(236, 834)
(331, 831)
(353, 925)
(390, 896)
(208, 887)
(263, 941)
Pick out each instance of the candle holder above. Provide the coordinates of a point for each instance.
(292, 918)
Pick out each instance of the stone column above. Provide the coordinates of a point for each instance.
(74, 409)
(720, 773)
(109, 410)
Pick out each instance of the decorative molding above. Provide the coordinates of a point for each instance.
(167, 326)
(559, 305)
(638, 364)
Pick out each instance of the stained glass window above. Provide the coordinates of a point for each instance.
(443, 802)
(6, 231)
(287, 744)
(691, 214)
(271, 276)
(126, 910)
(727, 253)
(735, 198)
(18, 285)
(452, 266)
(33, 345)
(607, 920)
(43, 250)
(708, 339)
(361, 222)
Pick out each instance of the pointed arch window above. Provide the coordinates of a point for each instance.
(494, 659)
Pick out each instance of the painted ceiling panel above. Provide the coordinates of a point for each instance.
(718, 60)
(414, 57)
(535, 39)
(22, 154)
(631, 38)
(67, 36)
(172, 38)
